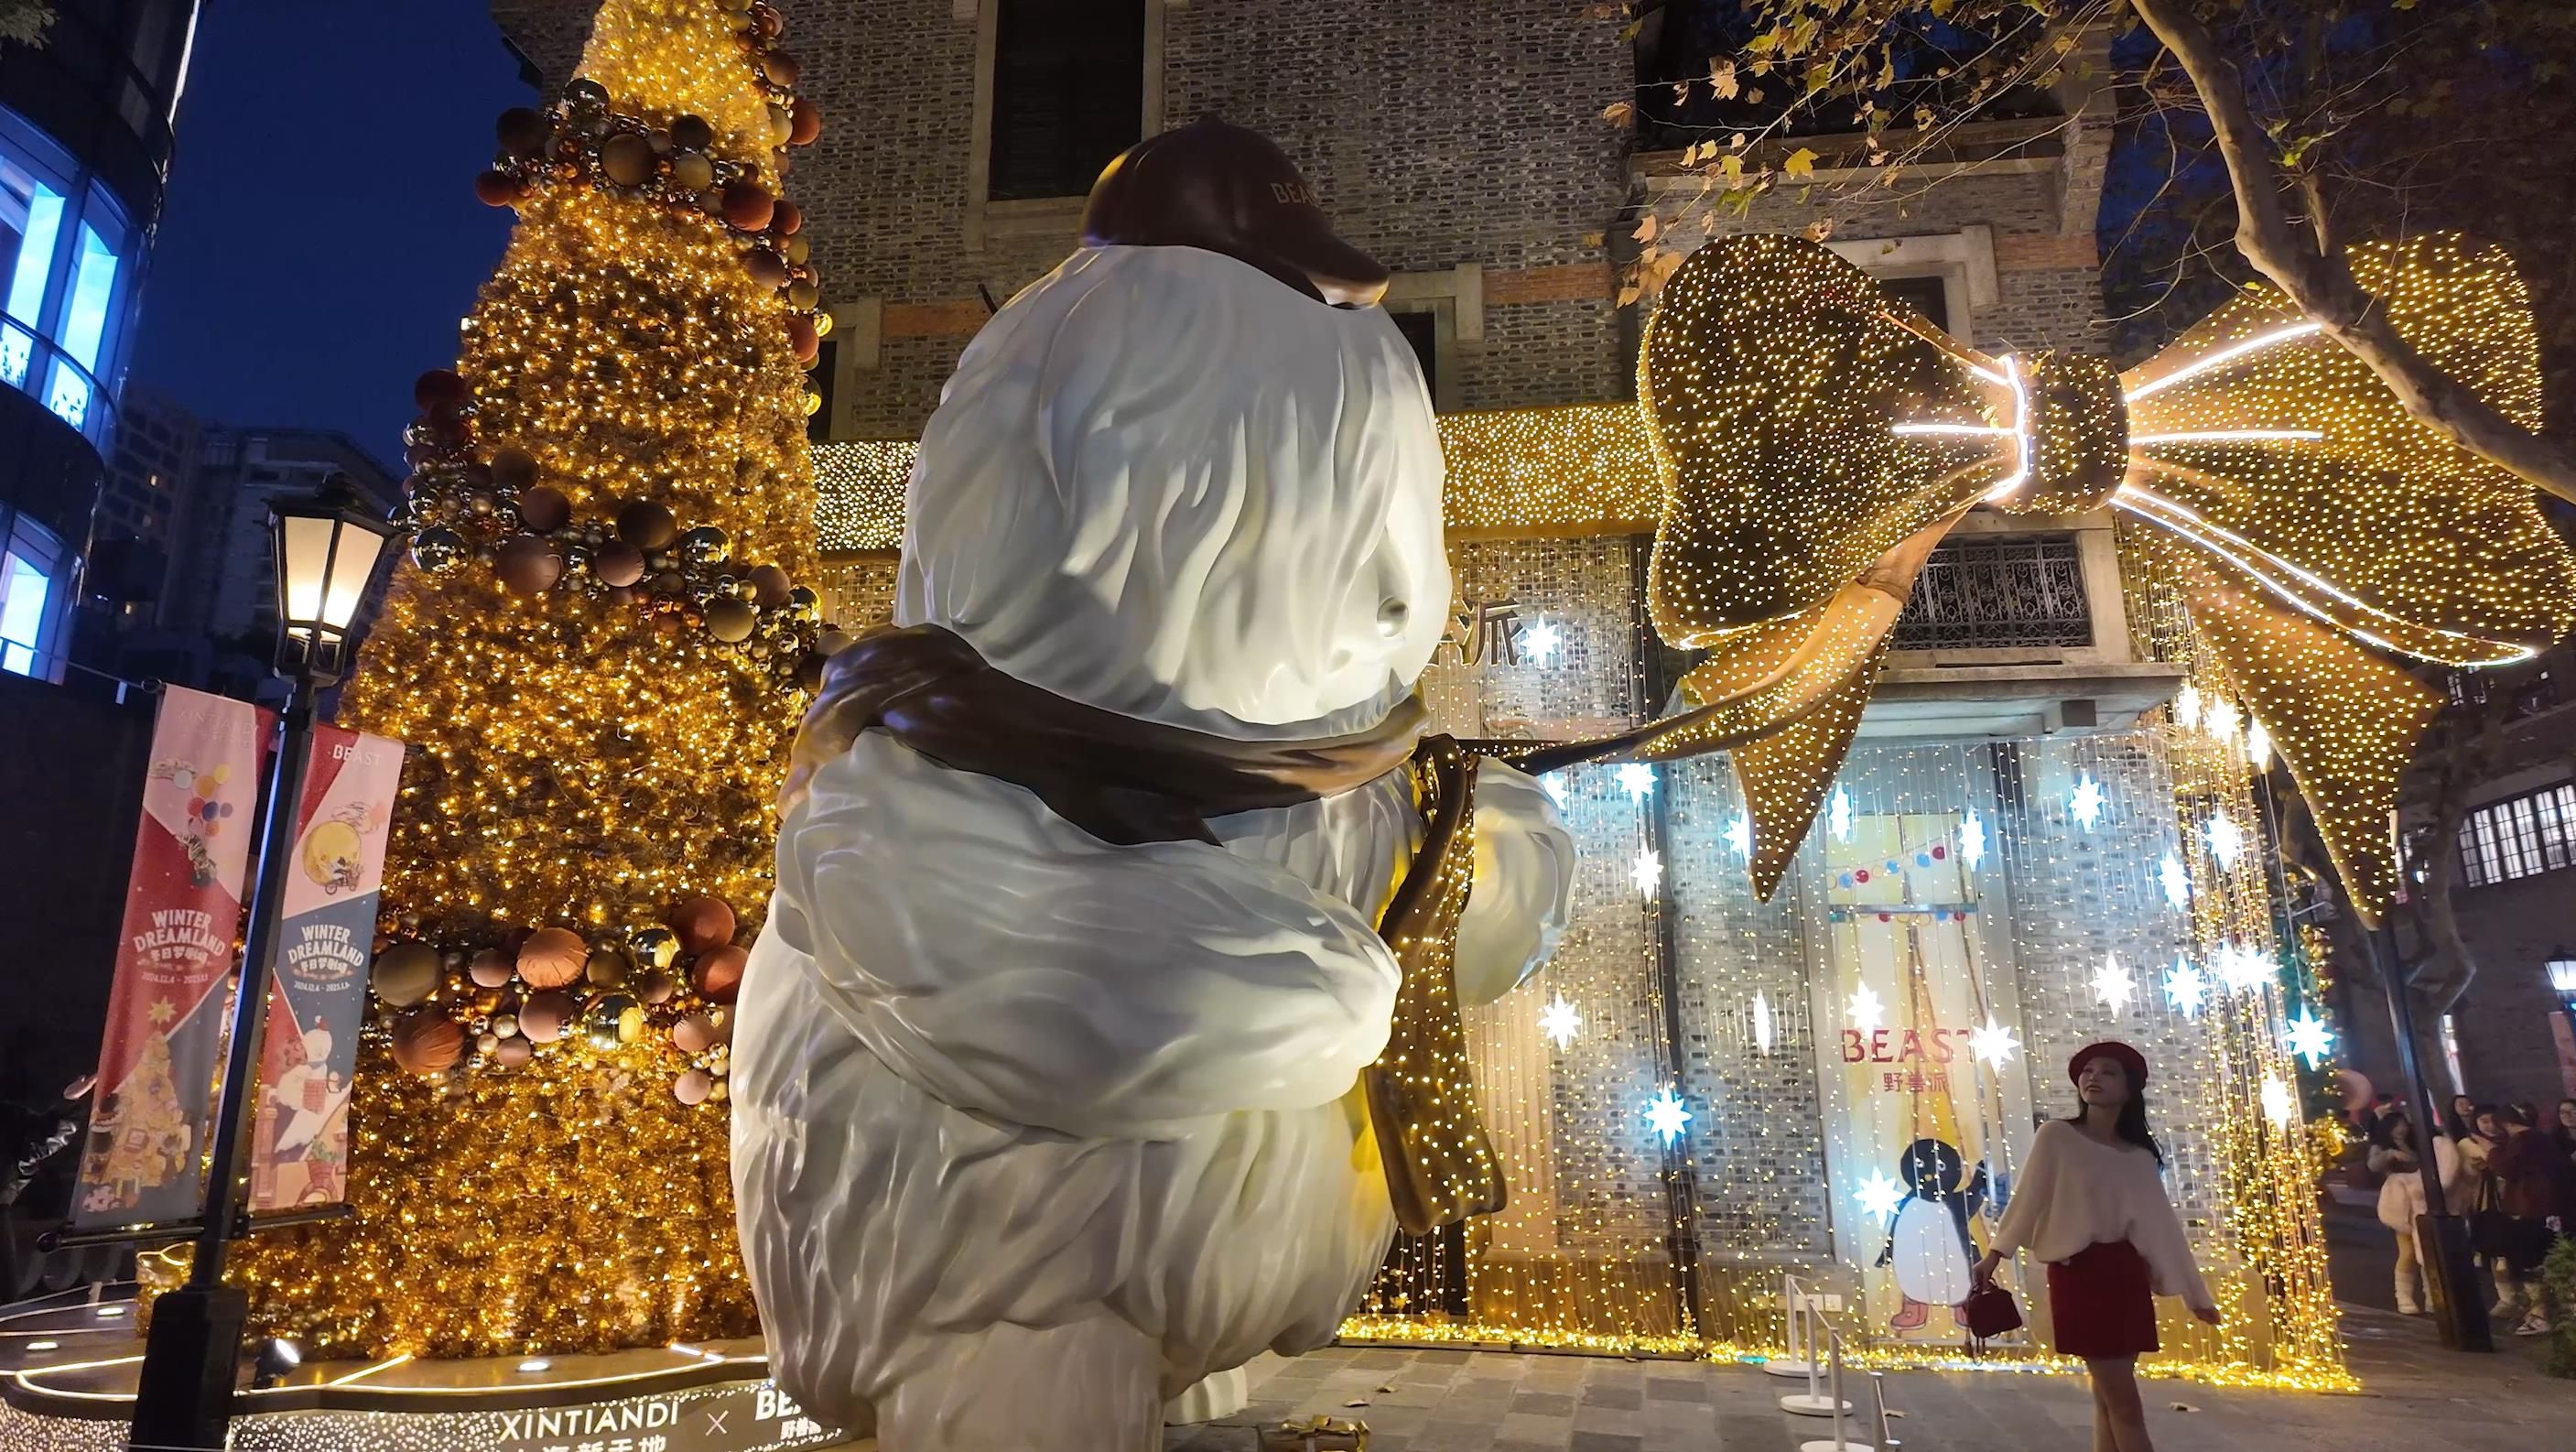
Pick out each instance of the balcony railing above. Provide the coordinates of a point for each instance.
(1999, 592)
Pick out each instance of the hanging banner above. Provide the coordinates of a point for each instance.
(166, 1010)
(318, 979)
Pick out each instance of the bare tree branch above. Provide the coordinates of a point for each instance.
(2321, 285)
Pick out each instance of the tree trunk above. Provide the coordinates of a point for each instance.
(2316, 279)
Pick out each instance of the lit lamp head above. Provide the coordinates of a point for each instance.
(327, 549)
(2562, 977)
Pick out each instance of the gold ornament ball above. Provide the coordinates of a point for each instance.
(731, 621)
(691, 171)
(654, 947)
(615, 1020)
(627, 159)
(692, 133)
(437, 548)
(606, 968)
(705, 546)
(406, 973)
(646, 525)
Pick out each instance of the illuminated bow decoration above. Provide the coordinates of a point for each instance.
(1817, 439)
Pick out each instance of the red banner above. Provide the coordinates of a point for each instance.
(317, 995)
(143, 1160)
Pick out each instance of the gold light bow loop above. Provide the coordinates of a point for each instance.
(1816, 440)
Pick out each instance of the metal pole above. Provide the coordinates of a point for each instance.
(192, 1355)
(2442, 1238)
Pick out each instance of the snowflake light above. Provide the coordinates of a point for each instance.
(2112, 984)
(1554, 784)
(1993, 1043)
(1647, 871)
(1739, 835)
(2279, 1106)
(1559, 1021)
(2175, 881)
(2310, 1039)
(1540, 641)
(2242, 968)
(2220, 718)
(2186, 989)
(1972, 839)
(2187, 706)
(1865, 1009)
(1665, 1115)
(1839, 816)
(2225, 838)
(2087, 805)
(2258, 745)
(1638, 778)
(1761, 1022)
(1879, 1196)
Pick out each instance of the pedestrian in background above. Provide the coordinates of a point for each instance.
(2565, 1130)
(2395, 1157)
(2460, 1120)
(2536, 1197)
(2091, 1203)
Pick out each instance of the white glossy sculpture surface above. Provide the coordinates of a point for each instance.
(1033, 1133)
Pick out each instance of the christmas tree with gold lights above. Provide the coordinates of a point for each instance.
(597, 653)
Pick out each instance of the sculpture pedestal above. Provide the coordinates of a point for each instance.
(1220, 1395)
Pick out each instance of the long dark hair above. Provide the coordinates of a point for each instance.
(2132, 1123)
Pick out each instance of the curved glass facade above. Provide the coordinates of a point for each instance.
(68, 255)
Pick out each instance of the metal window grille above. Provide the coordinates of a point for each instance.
(2005, 591)
(2519, 837)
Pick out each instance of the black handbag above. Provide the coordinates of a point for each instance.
(2491, 1231)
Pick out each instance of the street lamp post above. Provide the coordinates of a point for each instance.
(327, 550)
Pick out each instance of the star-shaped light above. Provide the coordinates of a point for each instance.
(1559, 1021)
(1972, 839)
(1638, 778)
(1879, 1196)
(2310, 1039)
(2258, 745)
(2186, 989)
(1554, 783)
(1761, 1022)
(2112, 984)
(2242, 968)
(2187, 706)
(1665, 1115)
(2220, 718)
(1993, 1043)
(1647, 871)
(2226, 839)
(1865, 1008)
(1540, 641)
(162, 1012)
(2279, 1106)
(1838, 817)
(2087, 805)
(2175, 881)
(1739, 835)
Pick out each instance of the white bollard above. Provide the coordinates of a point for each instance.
(1801, 1318)
(1841, 1440)
(1815, 1401)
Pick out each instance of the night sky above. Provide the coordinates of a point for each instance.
(321, 236)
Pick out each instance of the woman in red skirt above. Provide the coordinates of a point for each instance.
(2091, 1203)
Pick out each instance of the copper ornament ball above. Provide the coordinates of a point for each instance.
(439, 386)
(522, 131)
(491, 968)
(748, 206)
(770, 585)
(704, 923)
(529, 565)
(498, 189)
(804, 123)
(656, 987)
(694, 1033)
(544, 1016)
(618, 564)
(766, 268)
(553, 958)
(513, 468)
(426, 1041)
(646, 525)
(693, 1086)
(513, 1052)
(544, 509)
(718, 973)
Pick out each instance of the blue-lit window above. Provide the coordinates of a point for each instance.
(66, 263)
(24, 592)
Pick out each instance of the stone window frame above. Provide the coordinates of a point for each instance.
(1964, 260)
(989, 220)
(1454, 297)
(858, 339)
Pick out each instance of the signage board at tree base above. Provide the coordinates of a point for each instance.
(742, 1417)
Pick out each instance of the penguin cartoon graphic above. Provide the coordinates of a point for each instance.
(1928, 1243)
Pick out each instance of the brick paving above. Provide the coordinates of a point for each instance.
(2416, 1397)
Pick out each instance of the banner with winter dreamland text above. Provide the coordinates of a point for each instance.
(141, 1162)
(318, 978)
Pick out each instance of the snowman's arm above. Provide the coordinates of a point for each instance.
(1524, 881)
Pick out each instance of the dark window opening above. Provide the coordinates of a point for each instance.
(1929, 296)
(818, 424)
(1068, 93)
(1984, 592)
(1422, 330)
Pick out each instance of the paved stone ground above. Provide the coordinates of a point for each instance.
(2417, 1397)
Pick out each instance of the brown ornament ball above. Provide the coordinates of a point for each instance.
(545, 1016)
(691, 171)
(491, 968)
(731, 621)
(647, 526)
(618, 564)
(693, 1086)
(529, 565)
(627, 159)
(748, 206)
(692, 133)
(766, 268)
(787, 219)
(513, 1052)
(782, 68)
(513, 467)
(694, 1033)
(544, 509)
(605, 968)
(718, 973)
(426, 1041)
(766, 21)
(406, 973)
(553, 958)
(704, 922)
(498, 189)
(439, 388)
(769, 586)
(804, 122)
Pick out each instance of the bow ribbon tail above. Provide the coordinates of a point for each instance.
(2343, 717)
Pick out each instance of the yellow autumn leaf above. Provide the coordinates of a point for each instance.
(1801, 163)
(1733, 165)
(1721, 79)
(1645, 228)
(1619, 113)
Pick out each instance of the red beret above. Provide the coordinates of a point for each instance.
(2130, 1059)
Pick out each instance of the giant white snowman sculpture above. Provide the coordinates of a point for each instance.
(1049, 1103)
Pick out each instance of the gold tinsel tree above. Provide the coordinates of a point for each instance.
(598, 655)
